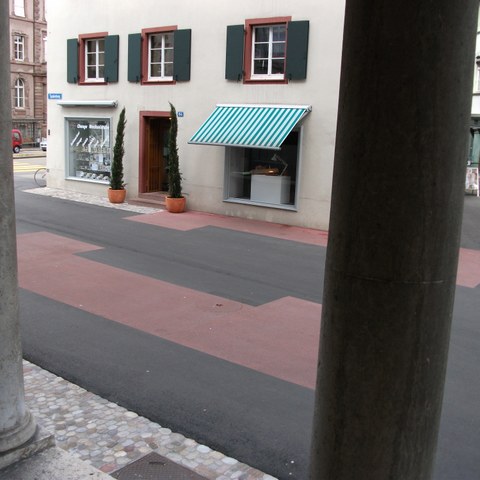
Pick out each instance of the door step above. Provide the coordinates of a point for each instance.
(156, 198)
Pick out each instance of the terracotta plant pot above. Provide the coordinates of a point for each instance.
(116, 196)
(175, 205)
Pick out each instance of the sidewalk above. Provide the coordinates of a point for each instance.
(108, 437)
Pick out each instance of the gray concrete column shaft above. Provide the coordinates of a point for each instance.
(397, 203)
(16, 423)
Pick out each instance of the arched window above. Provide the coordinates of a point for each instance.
(19, 94)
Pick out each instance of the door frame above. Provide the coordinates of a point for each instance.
(144, 116)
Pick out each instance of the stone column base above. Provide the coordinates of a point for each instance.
(41, 440)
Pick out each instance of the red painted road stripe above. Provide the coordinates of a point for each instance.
(278, 339)
(192, 220)
(468, 268)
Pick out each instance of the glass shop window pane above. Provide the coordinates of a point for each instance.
(89, 149)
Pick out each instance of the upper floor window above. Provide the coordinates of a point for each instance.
(19, 94)
(160, 56)
(45, 46)
(267, 50)
(19, 8)
(92, 58)
(95, 60)
(19, 48)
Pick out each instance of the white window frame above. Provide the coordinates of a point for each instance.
(271, 42)
(19, 47)
(19, 93)
(19, 8)
(162, 63)
(97, 64)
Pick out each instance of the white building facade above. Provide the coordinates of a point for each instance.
(255, 85)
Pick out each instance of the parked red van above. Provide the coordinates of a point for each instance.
(16, 140)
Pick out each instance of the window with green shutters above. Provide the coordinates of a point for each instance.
(267, 50)
(92, 59)
(159, 55)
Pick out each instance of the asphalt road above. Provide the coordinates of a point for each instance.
(256, 418)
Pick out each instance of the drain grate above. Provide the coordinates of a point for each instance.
(155, 467)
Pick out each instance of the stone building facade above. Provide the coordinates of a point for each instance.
(28, 68)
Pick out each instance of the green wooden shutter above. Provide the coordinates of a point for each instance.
(111, 58)
(72, 60)
(134, 57)
(182, 44)
(235, 46)
(297, 50)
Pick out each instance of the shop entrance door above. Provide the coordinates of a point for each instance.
(154, 154)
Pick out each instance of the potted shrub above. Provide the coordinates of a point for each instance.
(175, 201)
(117, 192)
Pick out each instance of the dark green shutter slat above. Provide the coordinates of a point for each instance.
(134, 57)
(182, 43)
(72, 60)
(111, 58)
(235, 46)
(297, 50)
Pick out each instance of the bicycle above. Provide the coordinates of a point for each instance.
(40, 177)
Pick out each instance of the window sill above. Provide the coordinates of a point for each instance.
(243, 201)
(83, 83)
(158, 82)
(88, 180)
(258, 81)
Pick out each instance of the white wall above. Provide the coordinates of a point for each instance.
(202, 166)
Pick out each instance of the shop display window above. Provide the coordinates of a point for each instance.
(89, 149)
(263, 176)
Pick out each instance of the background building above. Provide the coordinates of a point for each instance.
(28, 39)
(255, 85)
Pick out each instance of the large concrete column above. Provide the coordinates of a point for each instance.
(16, 423)
(395, 222)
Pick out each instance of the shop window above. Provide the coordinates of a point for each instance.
(89, 149)
(92, 59)
(19, 93)
(267, 50)
(159, 55)
(19, 48)
(262, 176)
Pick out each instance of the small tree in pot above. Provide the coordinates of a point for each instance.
(117, 192)
(175, 200)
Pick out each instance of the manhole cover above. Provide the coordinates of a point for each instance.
(155, 467)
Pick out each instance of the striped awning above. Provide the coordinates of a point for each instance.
(255, 126)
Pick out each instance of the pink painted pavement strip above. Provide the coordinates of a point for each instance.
(278, 339)
(469, 268)
(191, 220)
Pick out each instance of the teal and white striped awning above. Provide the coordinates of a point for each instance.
(255, 126)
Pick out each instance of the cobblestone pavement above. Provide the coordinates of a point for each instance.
(109, 437)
